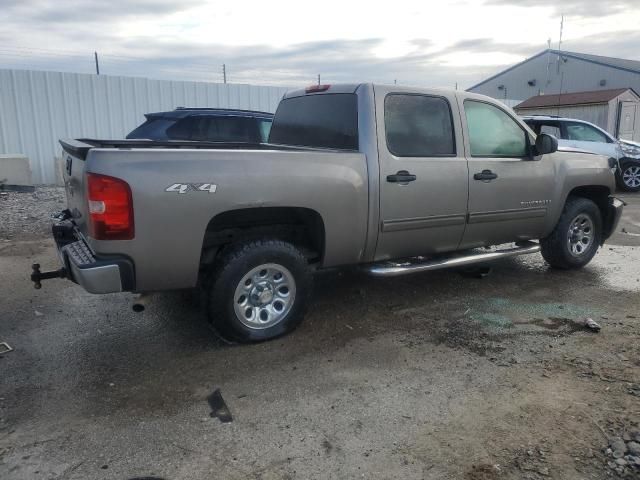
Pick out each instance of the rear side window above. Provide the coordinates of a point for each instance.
(182, 129)
(153, 129)
(206, 128)
(264, 127)
(323, 121)
(418, 126)
(551, 128)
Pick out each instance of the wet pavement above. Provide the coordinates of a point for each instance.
(428, 376)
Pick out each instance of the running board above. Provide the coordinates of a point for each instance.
(419, 264)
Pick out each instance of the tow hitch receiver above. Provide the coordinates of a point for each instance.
(37, 275)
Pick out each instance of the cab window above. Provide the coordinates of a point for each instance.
(418, 126)
(492, 132)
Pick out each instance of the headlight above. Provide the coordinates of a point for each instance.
(630, 150)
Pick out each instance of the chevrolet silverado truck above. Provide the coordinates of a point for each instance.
(394, 180)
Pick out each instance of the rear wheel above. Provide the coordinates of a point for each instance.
(577, 236)
(259, 291)
(629, 177)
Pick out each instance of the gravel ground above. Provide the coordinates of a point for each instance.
(27, 215)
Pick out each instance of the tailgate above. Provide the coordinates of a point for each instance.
(73, 163)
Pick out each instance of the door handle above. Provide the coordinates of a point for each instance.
(485, 175)
(401, 177)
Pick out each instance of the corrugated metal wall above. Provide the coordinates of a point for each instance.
(37, 108)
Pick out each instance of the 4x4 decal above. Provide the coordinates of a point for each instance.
(196, 187)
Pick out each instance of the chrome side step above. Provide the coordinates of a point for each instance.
(420, 264)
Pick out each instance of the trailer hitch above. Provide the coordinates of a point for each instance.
(37, 275)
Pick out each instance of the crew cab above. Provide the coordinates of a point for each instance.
(393, 179)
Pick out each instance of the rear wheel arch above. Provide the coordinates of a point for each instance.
(299, 226)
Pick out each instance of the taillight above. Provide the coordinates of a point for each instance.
(110, 208)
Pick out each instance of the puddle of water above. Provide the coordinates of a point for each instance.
(537, 310)
(501, 313)
(492, 320)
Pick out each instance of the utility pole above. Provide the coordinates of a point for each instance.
(95, 55)
(560, 42)
(456, 85)
(224, 73)
(559, 62)
(318, 79)
(548, 80)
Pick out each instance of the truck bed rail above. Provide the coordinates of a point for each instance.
(80, 147)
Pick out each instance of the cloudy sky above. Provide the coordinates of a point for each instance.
(425, 43)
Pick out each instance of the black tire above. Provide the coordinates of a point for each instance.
(556, 248)
(238, 262)
(628, 178)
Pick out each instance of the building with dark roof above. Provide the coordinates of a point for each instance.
(559, 72)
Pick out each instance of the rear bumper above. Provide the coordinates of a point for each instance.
(614, 212)
(95, 273)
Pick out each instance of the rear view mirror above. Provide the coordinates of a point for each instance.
(546, 143)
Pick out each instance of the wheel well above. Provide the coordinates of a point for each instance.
(597, 194)
(301, 226)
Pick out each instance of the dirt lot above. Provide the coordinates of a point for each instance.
(434, 376)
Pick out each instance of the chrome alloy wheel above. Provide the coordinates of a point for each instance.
(631, 176)
(581, 235)
(264, 296)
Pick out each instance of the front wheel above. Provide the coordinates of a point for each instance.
(577, 236)
(629, 177)
(260, 291)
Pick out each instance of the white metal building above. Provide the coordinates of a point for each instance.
(554, 72)
(37, 108)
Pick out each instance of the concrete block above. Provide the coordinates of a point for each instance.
(59, 170)
(15, 169)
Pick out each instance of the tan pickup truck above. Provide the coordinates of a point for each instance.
(396, 180)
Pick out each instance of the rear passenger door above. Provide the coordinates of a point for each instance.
(423, 173)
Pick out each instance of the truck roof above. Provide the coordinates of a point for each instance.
(353, 87)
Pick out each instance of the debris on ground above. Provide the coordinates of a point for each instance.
(623, 453)
(591, 325)
(5, 348)
(219, 408)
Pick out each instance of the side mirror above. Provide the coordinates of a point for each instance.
(546, 143)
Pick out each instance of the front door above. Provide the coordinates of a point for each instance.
(423, 174)
(510, 192)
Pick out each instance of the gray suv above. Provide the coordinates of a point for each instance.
(586, 136)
